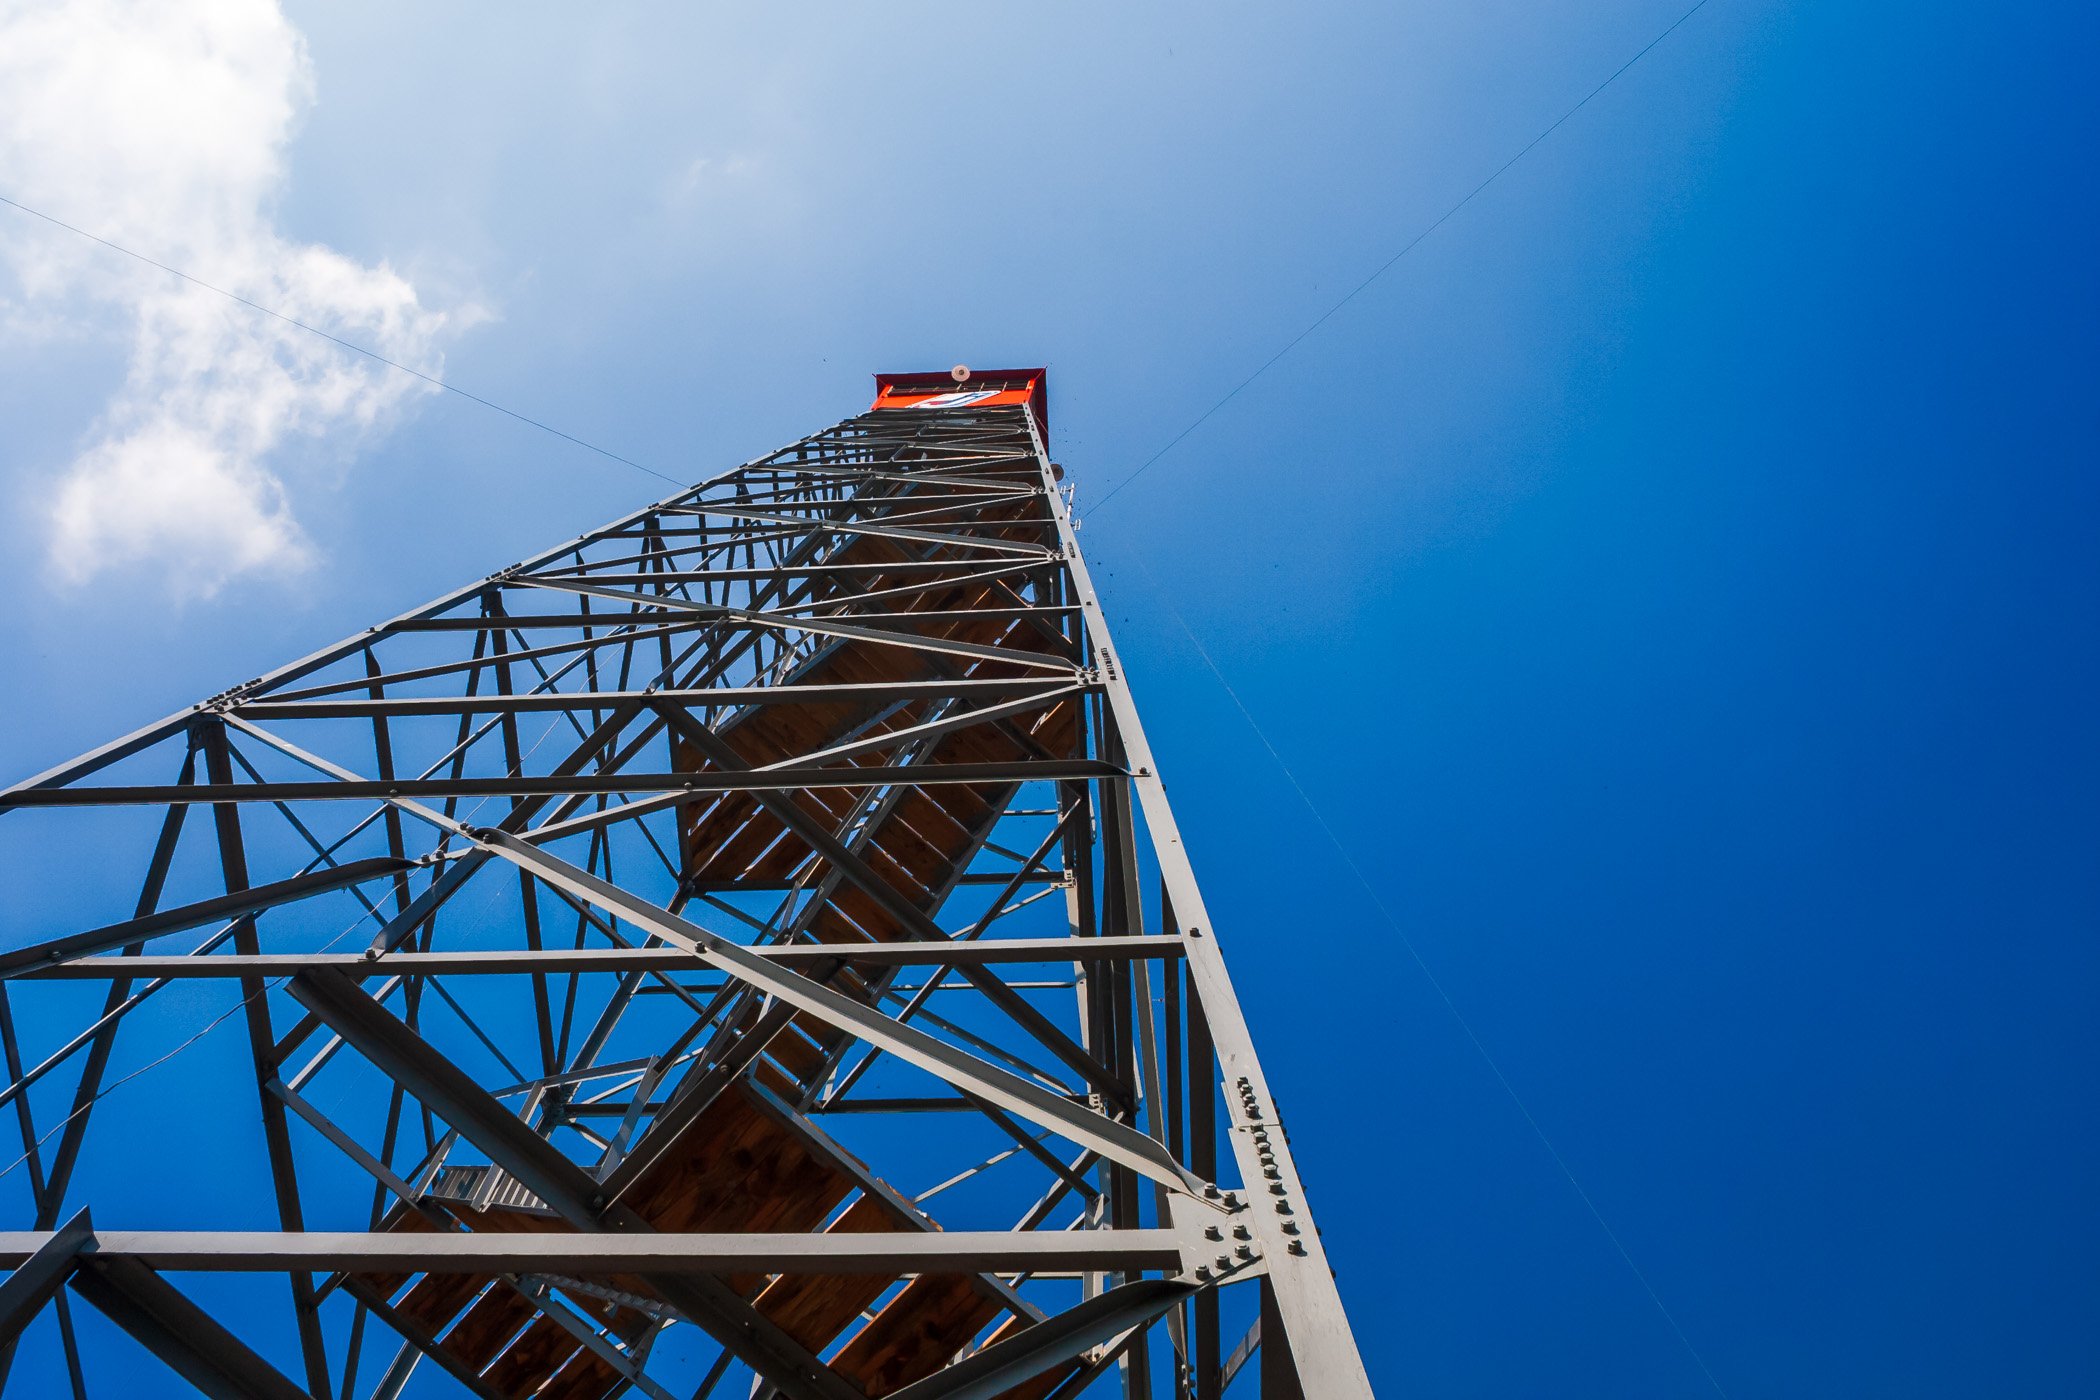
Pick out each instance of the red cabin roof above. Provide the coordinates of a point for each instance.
(989, 387)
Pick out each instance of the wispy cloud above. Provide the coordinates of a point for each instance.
(163, 126)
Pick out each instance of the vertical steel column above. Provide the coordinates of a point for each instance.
(41, 1191)
(1279, 1370)
(1204, 1354)
(1123, 918)
(513, 763)
(1177, 1116)
(233, 867)
(1307, 1301)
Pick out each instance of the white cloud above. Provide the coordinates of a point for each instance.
(162, 126)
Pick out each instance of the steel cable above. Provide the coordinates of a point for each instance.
(346, 344)
(1410, 246)
(1449, 1005)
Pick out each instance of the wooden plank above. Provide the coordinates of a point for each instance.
(585, 1376)
(815, 1308)
(525, 1366)
(916, 1333)
(489, 1326)
(1045, 1383)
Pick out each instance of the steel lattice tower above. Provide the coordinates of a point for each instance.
(608, 936)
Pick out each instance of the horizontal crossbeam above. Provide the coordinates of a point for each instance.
(209, 911)
(485, 1252)
(563, 784)
(554, 961)
(726, 696)
(128, 1291)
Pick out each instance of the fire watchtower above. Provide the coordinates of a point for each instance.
(739, 918)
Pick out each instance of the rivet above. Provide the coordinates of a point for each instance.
(1241, 1232)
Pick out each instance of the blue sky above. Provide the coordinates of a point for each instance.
(1673, 580)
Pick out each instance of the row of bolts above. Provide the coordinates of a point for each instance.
(1245, 1250)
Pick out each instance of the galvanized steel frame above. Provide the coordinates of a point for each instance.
(729, 598)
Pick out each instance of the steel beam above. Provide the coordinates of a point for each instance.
(561, 1184)
(208, 911)
(255, 1006)
(723, 697)
(894, 636)
(39, 1275)
(668, 1255)
(1020, 1358)
(159, 1317)
(968, 1073)
(1308, 1304)
(565, 784)
(554, 961)
(447, 1091)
